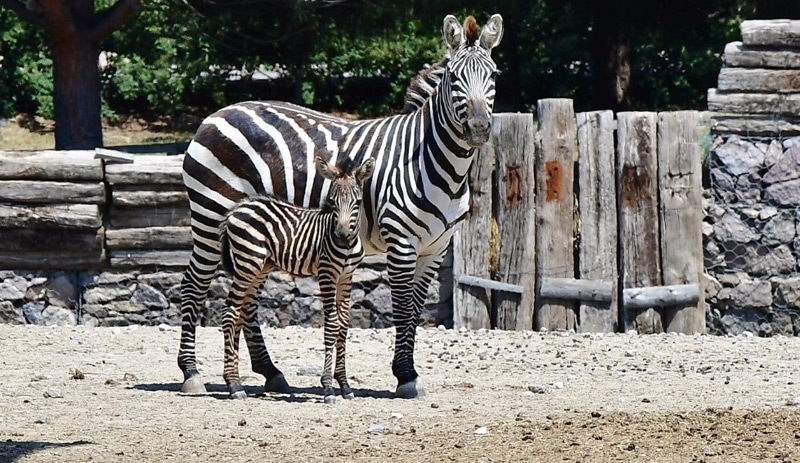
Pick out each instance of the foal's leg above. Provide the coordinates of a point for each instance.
(343, 317)
(327, 286)
(231, 328)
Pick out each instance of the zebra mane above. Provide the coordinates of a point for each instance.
(421, 87)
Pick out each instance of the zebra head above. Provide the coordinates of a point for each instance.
(344, 196)
(470, 73)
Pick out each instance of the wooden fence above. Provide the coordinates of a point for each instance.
(585, 223)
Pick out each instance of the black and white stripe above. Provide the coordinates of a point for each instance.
(418, 193)
(263, 233)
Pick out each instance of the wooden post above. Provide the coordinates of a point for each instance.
(680, 178)
(637, 177)
(597, 203)
(472, 304)
(514, 148)
(555, 208)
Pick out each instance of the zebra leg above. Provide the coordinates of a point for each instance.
(260, 360)
(343, 322)
(327, 286)
(194, 288)
(240, 296)
(401, 265)
(427, 265)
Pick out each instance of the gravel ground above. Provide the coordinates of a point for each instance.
(111, 394)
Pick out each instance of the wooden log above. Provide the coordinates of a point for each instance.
(62, 166)
(150, 238)
(637, 177)
(754, 125)
(758, 80)
(579, 290)
(555, 208)
(514, 148)
(113, 156)
(680, 179)
(738, 55)
(471, 247)
(147, 170)
(149, 258)
(780, 33)
(141, 217)
(597, 205)
(56, 260)
(32, 239)
(48, 192)
(148, 196)
(754, 103)
(167, 148)
(485, 283)
(661, 296)
(70, 216)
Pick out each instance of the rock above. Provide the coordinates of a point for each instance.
(60, 290)
(10, 314)
(783, 193)
(13, 289)
(95, 310)
(149, 297)
(558, 385)
(738, 156)
(537, 389)
(103, 295)
(33, 312)
(161, 279)
(772, 152)
(731, 228)
(482, 431)
(377, 428)
(366, 277)
(757, 259)
(53, 393)
(42, 419)
(787, 292)
(58, 316)
(779, 230)
(395, 415)
(307, 286)
(788, 167)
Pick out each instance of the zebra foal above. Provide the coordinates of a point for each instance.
(263, 233)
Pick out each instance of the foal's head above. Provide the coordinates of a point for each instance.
(344, 196)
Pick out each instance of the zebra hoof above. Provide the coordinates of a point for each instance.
(408, 390)
(349, 395)
(238, 395)
(193, 385)
(330, 399)
(278, 384)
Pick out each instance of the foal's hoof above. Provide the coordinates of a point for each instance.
(408, 390)
(278, 384)
(330, 399)
(238, 395)
(193, 385)
(349, 395)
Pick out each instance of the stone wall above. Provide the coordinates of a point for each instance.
(152, 297)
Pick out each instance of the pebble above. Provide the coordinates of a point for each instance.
(481, 431)
(377, 428)
(536, 389)
(396, 415)
(434, 405)
(558, 385)
(53, 393)
(42, 419)
(797, 400)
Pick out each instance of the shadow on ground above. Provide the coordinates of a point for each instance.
(11, 450)
(301, 394)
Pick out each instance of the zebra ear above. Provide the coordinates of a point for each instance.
(326, 169)
(365, 171)
(452, 32)
(492, 32)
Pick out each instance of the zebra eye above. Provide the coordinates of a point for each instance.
(493, 75)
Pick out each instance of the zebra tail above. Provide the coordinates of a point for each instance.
(225, 248)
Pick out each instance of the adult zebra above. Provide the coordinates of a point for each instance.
(416, 196)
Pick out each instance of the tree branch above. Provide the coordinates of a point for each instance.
(21, 9)
(112, 18)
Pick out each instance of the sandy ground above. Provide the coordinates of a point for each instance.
(490, 396)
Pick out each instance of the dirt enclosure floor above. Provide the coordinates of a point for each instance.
(111, 395)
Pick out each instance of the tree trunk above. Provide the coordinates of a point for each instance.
(76, 93)
(611, 53)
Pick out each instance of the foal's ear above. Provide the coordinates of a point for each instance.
(326, 169)
(365, 170)
(492, 32)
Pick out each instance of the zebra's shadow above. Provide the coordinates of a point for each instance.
(300, 394)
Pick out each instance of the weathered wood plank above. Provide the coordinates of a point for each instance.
(738, 55)
(637, 179)
(64, 240)
(63, 166)
(150, 238)
(471, 245)
(51, 216)
(580, 290)
(722, 123)
(48, 192)
(149, 258)
(758, 80)
(147, 169)
(680, 181)
(781, 33)
(555, 207)
(661, 296)
(597, 204)
(56, 260)
(514, 147)
(754, 103)
(141, 217)
(148, 196)
(113, 156)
